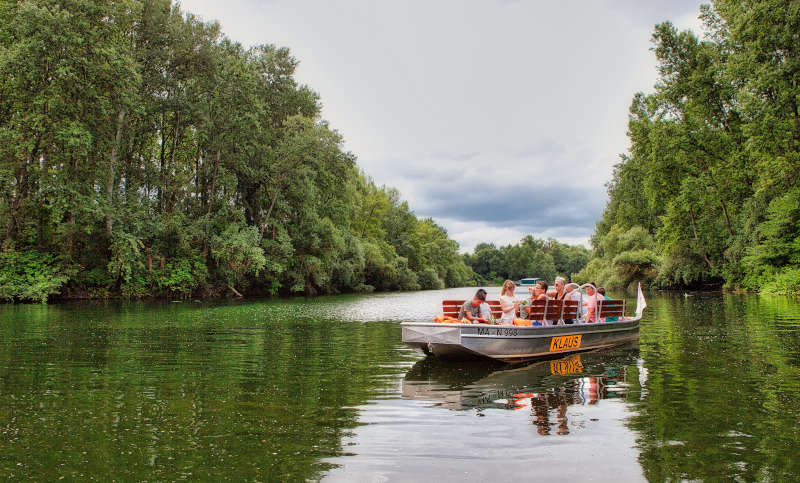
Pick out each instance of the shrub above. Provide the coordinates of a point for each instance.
(30, 275)
(429, 280)
(182, 276)
(786, 282)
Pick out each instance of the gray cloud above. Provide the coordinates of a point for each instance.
(565, 209)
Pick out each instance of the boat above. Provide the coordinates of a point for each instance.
(522, 343)
(529, 282)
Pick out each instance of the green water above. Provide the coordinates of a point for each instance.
(323, 389)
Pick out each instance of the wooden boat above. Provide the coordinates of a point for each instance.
(512, 343)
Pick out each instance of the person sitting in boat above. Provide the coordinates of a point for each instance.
(538, 292)
(477, 308)
(602, 292)
(590, 303)
(561, 291)
(508, 305)
(574, 295)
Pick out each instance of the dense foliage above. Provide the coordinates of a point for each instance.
(531, 257)
(142, 153)
(709, 192)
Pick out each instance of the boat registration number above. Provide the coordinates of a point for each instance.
(565, 342)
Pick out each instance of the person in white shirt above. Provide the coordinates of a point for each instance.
(508, 305)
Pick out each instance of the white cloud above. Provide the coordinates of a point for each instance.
(461, 105)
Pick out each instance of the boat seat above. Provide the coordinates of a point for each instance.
(570, 310)
(537, 311)
(611, 308)
(552, 309)
(452, 307)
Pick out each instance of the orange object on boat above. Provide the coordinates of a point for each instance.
(523, 322)
(439, 319)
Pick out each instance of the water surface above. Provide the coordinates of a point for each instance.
(323, 389)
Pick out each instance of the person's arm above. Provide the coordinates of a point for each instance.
(506, 308)
(486, 311)
(461, 313)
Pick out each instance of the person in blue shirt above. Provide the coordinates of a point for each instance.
(602, 292)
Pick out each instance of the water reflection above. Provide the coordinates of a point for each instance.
(544, 389)
(723, 389)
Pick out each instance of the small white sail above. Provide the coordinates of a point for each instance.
(641, 303)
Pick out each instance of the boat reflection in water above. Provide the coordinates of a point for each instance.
(546, 388)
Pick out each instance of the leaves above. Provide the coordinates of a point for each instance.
(715, 150)
(140, 144)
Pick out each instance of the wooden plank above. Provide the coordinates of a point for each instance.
(537, 310)
(570, 310)
(611, 308)
(553, 310)
(453, 307)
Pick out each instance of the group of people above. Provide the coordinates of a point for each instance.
(478, 309)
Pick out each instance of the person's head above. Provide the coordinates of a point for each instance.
(508, 288)
(601, 291)
(479, 298)
(590, 288)
(570, 287)
(560, 283)
(540, 288)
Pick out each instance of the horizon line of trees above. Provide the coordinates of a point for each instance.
(143, 153)
(709, 192)
(531, 257)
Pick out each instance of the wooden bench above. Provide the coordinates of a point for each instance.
(611, 308)
(452, 307)
(553, 310)
(540, 309)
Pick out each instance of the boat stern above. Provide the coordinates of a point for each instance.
(420, 335)
(440, 340)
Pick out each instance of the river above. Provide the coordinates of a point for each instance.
(308, 389)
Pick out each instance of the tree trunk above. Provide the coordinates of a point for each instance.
(69, 240)
(111, 166)
(271, 206)
(213, 180)
(235, 291)
(22, 190)
(171, 165)
(727, 218)
(697, 239)
(162, 163)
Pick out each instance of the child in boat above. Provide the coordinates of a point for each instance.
(476, 308)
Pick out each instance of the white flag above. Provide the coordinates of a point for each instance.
(641, 303)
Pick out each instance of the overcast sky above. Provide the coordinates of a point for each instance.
(497, 119)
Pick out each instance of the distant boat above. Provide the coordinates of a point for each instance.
(529, 282)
